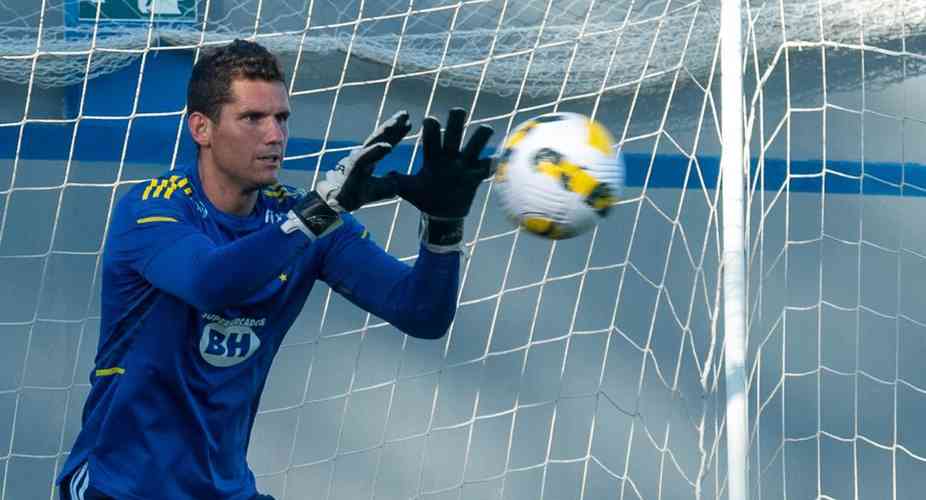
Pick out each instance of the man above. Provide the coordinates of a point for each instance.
(208, 266)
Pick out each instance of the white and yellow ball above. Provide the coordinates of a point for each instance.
(558, 174)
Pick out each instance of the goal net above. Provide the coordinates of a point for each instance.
(589, 368)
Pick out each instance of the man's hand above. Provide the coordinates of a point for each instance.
(351, 184)
(445, 185)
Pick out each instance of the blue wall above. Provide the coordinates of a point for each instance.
(151, 139)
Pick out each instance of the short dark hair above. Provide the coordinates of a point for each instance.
(211, 81)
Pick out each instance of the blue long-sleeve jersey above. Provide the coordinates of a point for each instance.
(195, 304)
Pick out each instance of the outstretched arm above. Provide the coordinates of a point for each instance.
(213, 277)
(419, 300)
(159, 237)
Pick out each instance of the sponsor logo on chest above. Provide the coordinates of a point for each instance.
(227, 342)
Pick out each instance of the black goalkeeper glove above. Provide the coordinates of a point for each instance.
(444, 188)
(351, 184)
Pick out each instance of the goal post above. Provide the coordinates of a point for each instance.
(734, 247)
(747, 323)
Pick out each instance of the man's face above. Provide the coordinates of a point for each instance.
(248, 142)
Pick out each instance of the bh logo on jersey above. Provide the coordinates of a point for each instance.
(225, 343)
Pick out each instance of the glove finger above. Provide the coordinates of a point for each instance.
(360, 187)
(453, 135)
(391, 131)
(398, 128)
(476, 143)
(430, 139)
(369, 156)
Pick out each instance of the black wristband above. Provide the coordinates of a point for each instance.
(439, 234)
(312, 216)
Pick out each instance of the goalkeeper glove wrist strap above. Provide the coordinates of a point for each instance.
(312, 216)
(441, 234)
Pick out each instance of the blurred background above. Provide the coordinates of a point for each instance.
(588, 368)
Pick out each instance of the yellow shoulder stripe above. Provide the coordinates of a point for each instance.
(105, 372)
(165, 187)
(155, 218)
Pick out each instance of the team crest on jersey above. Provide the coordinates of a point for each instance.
(225, 342)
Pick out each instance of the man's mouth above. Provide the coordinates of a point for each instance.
(272, 158)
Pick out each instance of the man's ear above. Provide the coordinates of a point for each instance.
(200, 128)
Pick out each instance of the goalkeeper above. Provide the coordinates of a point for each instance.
(208, 266)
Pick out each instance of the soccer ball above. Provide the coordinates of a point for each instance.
(558, 174)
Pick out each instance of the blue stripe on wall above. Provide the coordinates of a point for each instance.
(152, 141)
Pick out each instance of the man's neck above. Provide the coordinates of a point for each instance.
(224, 193)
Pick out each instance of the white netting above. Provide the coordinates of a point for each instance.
(577, 369)
(563, 30)
(589, 368)
(836, 258)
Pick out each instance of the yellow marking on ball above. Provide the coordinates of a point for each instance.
(599, 138)
(519, 134)
(574, 177)
(544, 227)
(501, 173)
(538, 225)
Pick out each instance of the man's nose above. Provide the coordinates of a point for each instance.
(277, 132)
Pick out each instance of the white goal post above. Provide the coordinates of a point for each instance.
(747, 323)
(732, 169)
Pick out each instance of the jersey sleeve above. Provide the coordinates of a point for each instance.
(157, 234)
(420, 300)
(148, 219)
